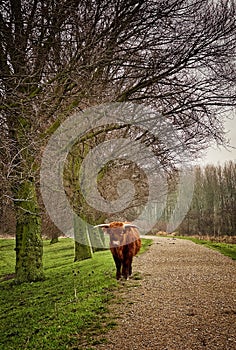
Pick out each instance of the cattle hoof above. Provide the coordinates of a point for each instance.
(126, 278)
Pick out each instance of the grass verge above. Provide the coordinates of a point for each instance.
(66, 310)
(223, 248)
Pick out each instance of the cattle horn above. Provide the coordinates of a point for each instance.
(129, 225)
(102, 225)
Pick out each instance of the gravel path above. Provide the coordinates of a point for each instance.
(186, 299)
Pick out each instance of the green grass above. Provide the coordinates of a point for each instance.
(223, 248)
(66, 310)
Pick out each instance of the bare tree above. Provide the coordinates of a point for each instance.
(176, 55)
(212, 211)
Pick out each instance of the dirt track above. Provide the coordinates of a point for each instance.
(186, 299)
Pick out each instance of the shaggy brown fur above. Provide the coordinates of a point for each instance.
(125, 243)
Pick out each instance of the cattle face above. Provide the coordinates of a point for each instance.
(116, 232)
(125, 243)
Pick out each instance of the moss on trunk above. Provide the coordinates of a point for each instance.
(54, 240)
(97, 239)
(83, 249)
(29, 245)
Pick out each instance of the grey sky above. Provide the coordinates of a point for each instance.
(219, 155)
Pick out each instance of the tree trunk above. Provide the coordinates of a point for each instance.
(97, 239)
(54, 240)
(29, 245)
(83, 249)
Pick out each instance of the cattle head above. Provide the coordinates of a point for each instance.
(116, 230)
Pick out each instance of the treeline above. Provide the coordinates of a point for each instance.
(213, 207)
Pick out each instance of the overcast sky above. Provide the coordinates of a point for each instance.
(220, 155)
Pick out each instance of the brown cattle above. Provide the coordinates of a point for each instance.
(125, 243)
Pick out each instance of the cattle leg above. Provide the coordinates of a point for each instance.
(130, 267)
(126, 269)
(125, 273)
(118, 267)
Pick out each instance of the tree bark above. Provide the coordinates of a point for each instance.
(29, 245)
(83, 248)
(97, 241)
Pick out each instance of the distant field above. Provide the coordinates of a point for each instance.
(224, 248)
(63, 312)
